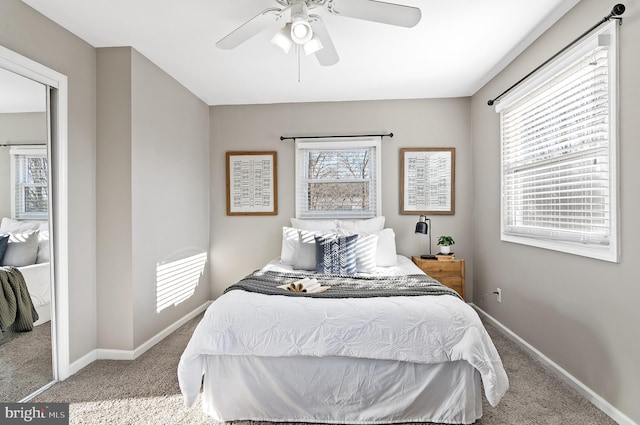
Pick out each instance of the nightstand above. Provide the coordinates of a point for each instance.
(449, 273)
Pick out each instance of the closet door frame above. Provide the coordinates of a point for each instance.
(58, 205)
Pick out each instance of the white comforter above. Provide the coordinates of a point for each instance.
(423, 329)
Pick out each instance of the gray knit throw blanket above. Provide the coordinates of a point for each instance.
(344, 286)
(16, 308)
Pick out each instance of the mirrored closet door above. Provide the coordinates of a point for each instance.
(25, 336)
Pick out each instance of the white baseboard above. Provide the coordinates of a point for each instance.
(82, 362)
(571, 380)
(108, 354)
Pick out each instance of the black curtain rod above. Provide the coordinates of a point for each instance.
(330, 137)
(618, 9)
(5, 145)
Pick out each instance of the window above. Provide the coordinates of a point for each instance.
(558, 133)
(30, 189)
(338, 178)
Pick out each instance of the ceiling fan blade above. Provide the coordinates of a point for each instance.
(328, 55)
(253, 26)
(377, 11)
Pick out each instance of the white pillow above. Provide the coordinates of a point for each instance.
(386, 254)
(371, 225)
(22, 249)
(366, 248)
(305, 256)
(9, 225)
(385, 250)
(289, 245)
(314, 225)
(43, 243)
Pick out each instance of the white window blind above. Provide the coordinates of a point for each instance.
(338, 178)
(30, 188)
(559, 154)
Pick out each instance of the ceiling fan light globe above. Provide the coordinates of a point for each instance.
(312, 45)
(301, 31)
(282, 38)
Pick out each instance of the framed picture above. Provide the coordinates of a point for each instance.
(427, 183)
(252, 186)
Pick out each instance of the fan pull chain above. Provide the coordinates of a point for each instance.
(298, 50)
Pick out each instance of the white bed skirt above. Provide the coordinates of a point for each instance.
(339, 389)
(38, 280)
(44, 314)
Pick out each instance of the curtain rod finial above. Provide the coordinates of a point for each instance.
(490, 102)
(618, 9)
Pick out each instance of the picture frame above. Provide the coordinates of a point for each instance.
(252, 185)
(427, 181)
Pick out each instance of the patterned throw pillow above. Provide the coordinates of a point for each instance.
(336, 254)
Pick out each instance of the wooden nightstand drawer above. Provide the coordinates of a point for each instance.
(449, 273)
(454, 283)
(442, 268)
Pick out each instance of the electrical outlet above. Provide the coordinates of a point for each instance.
(499, 295)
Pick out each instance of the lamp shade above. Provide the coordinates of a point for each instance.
(422, 227)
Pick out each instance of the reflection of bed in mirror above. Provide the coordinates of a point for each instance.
(38, 280)
(28, 251)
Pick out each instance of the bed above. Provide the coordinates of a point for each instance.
(341, 360)
(27, 249)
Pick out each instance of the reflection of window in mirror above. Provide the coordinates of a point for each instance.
(29, 186)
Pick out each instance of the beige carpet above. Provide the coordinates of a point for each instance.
(25, 363)
(145, 391)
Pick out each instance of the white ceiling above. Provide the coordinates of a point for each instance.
(20, 94)
(454, 50)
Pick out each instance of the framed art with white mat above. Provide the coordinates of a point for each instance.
(252, 186)
(427, 181)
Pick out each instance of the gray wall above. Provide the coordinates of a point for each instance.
(23, 127)
(170, 190)
(241, 244)
(32, 35)
(113, 199)
(581, 313)
(152, 186)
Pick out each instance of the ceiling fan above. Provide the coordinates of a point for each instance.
(308, 30)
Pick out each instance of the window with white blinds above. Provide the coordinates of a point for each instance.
(30, 187)
(559, 154)
(338, 178)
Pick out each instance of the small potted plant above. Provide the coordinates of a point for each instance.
(445, 243)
